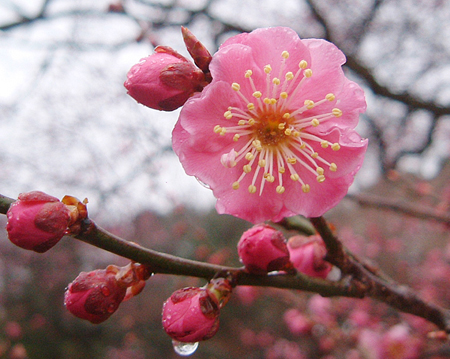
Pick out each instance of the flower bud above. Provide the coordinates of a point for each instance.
(164, 80)
(37, 221)
(307, 255)
(191, 315)
(262, 249)
(95, 295)
(197, 50)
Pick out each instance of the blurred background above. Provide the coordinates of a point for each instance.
(68, 127)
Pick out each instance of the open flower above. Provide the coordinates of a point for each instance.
(273, 134)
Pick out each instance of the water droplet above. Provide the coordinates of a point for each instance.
(203, 183)
(105, 291)
(184, 349)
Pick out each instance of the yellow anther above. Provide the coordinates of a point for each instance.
(295, 177)
(336, 112)
(306, 188)
(273, 101)
(252, 188)
(228, 115)
(291, 160)
(281, 125)
(320, 170)
(276, 81)
(289, 76)
(286, 115)
(249, 156)
(303, 146)
(267, 69)
(256, 143)
(303, 64)
(262, 163)
(247, 168)
(248, 73)
(287, 131)
(223, 131)
(324, 144)
(281, 170)
(268, 177)
(250, 106)
(314, 155)
(333, 167)
(280, 189)
(336, 146)
(315, 122)
(251, 121)
(330, 97)
(296, 134)
(284, 95)
(285, 54)
(217, 128)
(235, 185)
(267, 101)
(235, 86)
(320, 178)
(236, 137)
(242, 122)
(308, 73)
(309, 104)
(257, 94)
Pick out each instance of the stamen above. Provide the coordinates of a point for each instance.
(252, 188)
(336, 112)
(235, 86)
(335, 146)
(285, 54)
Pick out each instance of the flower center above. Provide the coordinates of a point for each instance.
(272, 137)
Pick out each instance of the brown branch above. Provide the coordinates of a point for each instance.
(169, 264)
(397, 296)
(422, 212)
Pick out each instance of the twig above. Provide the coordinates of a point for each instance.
(396, 295)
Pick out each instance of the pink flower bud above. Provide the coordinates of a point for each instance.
(191, 315)
(37, 221)
(164, 80)
(262, 249)
(307, 255)
(95, 295)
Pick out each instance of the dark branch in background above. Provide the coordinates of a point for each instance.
(24, 20)
(422, 212)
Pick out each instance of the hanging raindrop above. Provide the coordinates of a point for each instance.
(184, 349)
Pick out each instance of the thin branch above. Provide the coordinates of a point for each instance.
(422, 212)
(396, 295)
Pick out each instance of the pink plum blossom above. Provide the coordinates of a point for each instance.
(37, 221)
(273, 134)
(164, 80)
(191, 315)
(262, 249)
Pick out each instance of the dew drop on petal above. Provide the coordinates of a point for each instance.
(203, 184)
(184, 349)
(105, 291)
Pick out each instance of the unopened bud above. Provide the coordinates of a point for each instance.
(191, 315)
(262, 249)
(37, 221)
(164, 80)
(95, 295)
(197, 50)
(307, 254)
